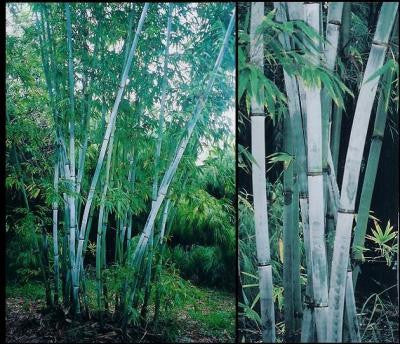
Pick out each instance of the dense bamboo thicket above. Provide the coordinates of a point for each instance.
(117, 124)
(323, 65)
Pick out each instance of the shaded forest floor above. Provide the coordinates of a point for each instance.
(202, 315)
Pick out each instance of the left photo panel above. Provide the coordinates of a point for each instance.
(120, 217)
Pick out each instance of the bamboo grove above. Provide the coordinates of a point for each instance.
(130, 91)
(293, 68)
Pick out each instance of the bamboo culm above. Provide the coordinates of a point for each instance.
(369, 177)
(169, 174)
(158, 153)
(334, 21)
(337, 112)
(316, 191)
(296, 112)
(107, 136)
(352, 171)
(55, 236)
(162, 244)
(291, 266)
(259, 185)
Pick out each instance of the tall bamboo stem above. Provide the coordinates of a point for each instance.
(107, 137)
(316, 190)
(352, 171)
(55, 235)
(337, 112)
(369, 177)
(169, 174)
(259, 185)
(158, 152)
(295, 93)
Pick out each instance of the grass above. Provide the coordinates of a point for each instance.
(198, 312)
(215, 321)
(32, 291)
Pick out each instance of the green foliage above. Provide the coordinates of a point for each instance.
(245, 159)
(265, 87)
(205, 221)
(219, 320)
(249, 313)
(213, 312)
(204, 265)
(284, 157)
(30, 291)
(22, 263)
(386, 241)
(39, 134)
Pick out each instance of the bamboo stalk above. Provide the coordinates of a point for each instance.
(296, 258)
(291, 253)
(169, 174)
(316, 191)
(295, 91)
(162, 245)
(129, 37)
(71, 129)
(100, 226)
(162, 105)
(65, 255)
(337, 112)
(147, 280)
(107, 137)
(288, 237)
(157, 157)
(259, 185)
(351, 313)
(334, 21)
(369, 178)
(352, 171)
(261, 225)
(55, 236)
(351, 327)
(295, 11)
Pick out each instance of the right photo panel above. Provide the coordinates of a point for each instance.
(318, 176)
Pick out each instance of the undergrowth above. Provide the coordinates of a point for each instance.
(188, 312)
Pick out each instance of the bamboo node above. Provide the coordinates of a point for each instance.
(346, 211)
(335, 22)
(382, 44)
(377, 136)
(320, 305)
(263, 264)
(314, 173)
